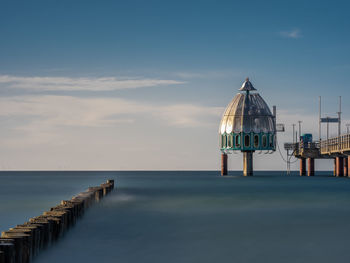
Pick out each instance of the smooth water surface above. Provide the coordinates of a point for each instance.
(193, 217)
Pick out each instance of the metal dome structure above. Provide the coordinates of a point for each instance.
(247, 125)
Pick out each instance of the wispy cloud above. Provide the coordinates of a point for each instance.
(294, 33)
(50, 112)
(187, 115)
(210, 74)
(77, 84)
(191, 75)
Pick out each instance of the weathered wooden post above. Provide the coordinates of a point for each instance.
(57, 222)
(18, 246)
(111, 182)
(22, 247)
(7, 251)
(46, 230)
(34, 231)
(23, 242)
(31, 238)
(39, 232)
(97, 191)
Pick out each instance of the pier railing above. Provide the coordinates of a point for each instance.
(330, 148)
(339, 144)
(321, 149)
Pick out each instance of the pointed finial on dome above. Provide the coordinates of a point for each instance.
(247, 85)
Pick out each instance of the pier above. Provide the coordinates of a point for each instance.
(307, 150)
(22, 243)
(337, 148)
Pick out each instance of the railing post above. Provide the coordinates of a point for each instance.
(327, 146)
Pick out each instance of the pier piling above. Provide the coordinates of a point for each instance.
(339, 166)
(346, 166)
(302, 166)
(223, 164)
(311, 167)
(21, 244)
(248, 163)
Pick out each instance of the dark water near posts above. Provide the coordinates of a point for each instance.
(190, 216)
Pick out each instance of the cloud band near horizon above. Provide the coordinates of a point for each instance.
(82, 84)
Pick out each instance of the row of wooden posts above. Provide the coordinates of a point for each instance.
(341, 166)
(22, 243)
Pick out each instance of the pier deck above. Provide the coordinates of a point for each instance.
(337, 148)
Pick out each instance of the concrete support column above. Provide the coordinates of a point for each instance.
(247, 163)
(346, 166)
(223, 164)
(302, 166)
(311, 166)
(339, 166)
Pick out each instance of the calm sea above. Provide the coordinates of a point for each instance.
(190, 216)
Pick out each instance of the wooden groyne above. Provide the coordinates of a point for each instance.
(22, 243)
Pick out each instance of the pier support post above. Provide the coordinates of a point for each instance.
(311, 167)
(346, 166)
(247, 163)
(339, 166)
(223, 164)
(302, 166)
(335, 167)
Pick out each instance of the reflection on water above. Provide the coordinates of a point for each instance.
(196, 217)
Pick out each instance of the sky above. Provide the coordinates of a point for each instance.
(142, 85)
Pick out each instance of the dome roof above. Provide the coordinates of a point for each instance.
(247, 112)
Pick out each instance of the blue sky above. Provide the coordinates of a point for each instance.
(92, 84)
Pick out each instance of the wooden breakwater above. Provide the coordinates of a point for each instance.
(22, 243)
